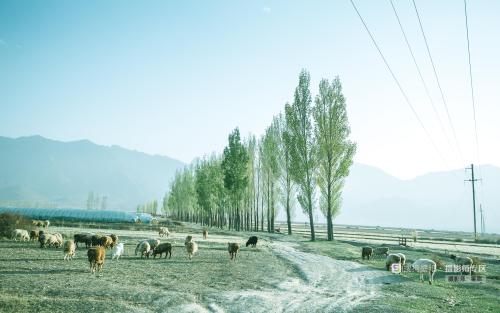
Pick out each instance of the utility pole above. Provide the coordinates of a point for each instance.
(482, 219)
(473, 181)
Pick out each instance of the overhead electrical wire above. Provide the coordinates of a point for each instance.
(471, 81)
(398, 83)
(473, 98)
(438, 82)
(421, 76)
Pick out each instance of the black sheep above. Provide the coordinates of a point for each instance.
(252, 241)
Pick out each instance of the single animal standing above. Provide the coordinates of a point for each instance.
(366, 252)
(233, 248)
(69, 249)
(423, 266)
(252, 241)
(163, 248)
(118, 251)
(96, 257)
(191, 248)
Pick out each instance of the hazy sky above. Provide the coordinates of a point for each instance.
(175, 77)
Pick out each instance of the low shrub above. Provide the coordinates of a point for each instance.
(9, 222)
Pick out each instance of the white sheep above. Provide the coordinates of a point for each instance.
(191, 248)
(464, 262)
(118, 251)
(54, 240)
(423, 266)
(403, 259)
(20, 234)
(392, 259)
(153, 243)
(163, 232)
(69, 250)
(143, 248)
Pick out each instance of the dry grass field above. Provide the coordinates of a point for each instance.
(283, 274)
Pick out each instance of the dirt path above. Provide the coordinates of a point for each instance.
(325, 285)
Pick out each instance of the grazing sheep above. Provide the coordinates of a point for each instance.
(425, 266)
(118, 251)
(143, 249)
(392, 259)
(252, 241)
(105, 241)
(96, 256)
(38, 223)
(366, 252)
(20, 234)
(34, 235)
(463, 261)
(205, 234)
(54, 240)
(85, 238)
(380, 251)
(191, 248)
(153, 243)
(42, 239)
(163, 231)
(114, 238)
(163, 248)
(403, 258)
(232, 248)
(69, 250)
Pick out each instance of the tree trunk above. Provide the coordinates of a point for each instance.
(288, 218)
(311, 219)
(272, 208)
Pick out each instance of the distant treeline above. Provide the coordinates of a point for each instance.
(305, 149)
(150, 207)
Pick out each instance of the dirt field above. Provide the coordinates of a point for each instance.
(283, 274)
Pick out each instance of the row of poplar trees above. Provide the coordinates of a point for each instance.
(305, 151)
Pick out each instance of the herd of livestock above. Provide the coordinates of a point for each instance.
(97, 245)
(396, 262)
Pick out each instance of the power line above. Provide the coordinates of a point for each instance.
(397, 83)
(473, 101)
(471, 82)
(437, 80)
(420, 75)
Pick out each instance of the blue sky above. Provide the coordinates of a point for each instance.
(175, 77)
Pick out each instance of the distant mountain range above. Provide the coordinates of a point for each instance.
(440, 200)
(43, 171)
(39, 170)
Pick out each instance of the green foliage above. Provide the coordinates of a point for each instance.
(305, 148)
(234, 163)
(335, 151)
(149, 207)
(303, 145)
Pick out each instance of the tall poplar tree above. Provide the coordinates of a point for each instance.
(303, 146)
(335, 151)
